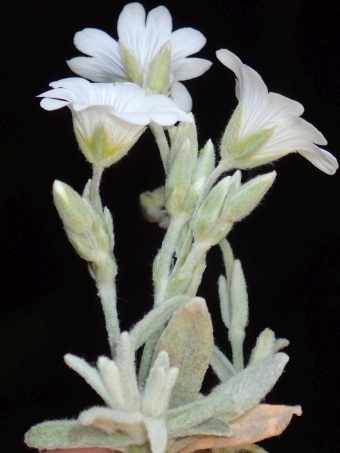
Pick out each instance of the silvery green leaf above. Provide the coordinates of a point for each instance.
(110, 420)
(188, 340)
(264, 346)
(87, 190)
(91, 376)
(107, 216)
(187, 416)
(280, 343)
(158, 316)
(239, 313)
(228, 257)
(224, 300)
(60, 434)
(222, 366)
(157, 433)
(159, 384)
(252, 384)
(125, 360)
(113, 381)
(211, 427)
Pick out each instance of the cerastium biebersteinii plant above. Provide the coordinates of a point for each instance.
(157, 406)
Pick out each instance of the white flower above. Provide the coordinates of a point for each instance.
(267, 126)
(109, 118)
(141, 38)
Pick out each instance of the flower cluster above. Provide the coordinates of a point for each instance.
(157, 405)
(145, 44)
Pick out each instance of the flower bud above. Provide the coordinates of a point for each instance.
(205, 162)
(244, 200)
(90, 234)
(208, 214)
(72, 208)
(179, 134)
(179, 178)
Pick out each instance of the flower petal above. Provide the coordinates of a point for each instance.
(181, 96)
(191, 68)
(320, 158)
(184, 42)
(53, 104)
(131, 28)
(106, 56)
(96, 69)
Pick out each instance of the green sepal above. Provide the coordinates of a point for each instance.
(188, 340)
(231, 134)
(132, 67)
(60, 434)
(240, 153)
(158, 77)
(249, 146)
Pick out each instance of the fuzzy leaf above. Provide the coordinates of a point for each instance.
(155, 319)
(157, 433)
(252, 384)
(264, 346)
(188, 340)
(222, 367)
(109, 420)
(181, 419)
(70, 434)
(212, 427)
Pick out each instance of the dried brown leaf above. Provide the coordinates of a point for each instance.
(260, 422)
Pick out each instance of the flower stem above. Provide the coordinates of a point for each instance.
(107, 294)
(162, 144)
(95, 184)
(163, 259)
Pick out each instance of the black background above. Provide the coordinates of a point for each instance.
(289, 246)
